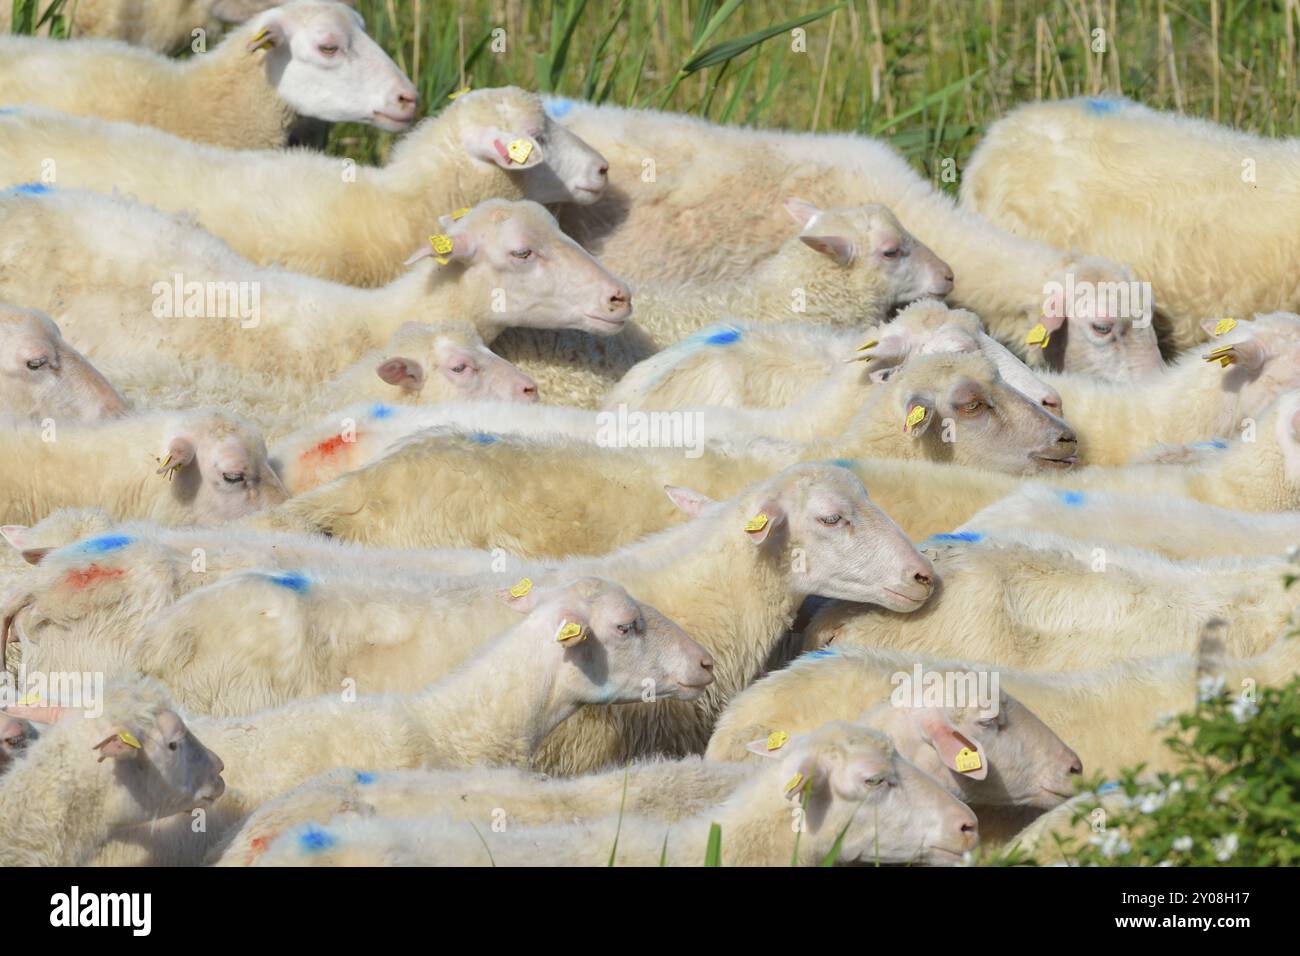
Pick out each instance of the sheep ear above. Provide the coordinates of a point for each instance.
(950, 744)
(1250, 353)
(520, 596)
(918, 415)
(15, 535)
(890, 350)
(120, 745)
(444, 247)
(405, 373)
(764, 746)
(801, 211)
(760, 526)
(43, 714)
(573, 629)
(1053, 316)
(510, 151)
(271, 34)
(688, 501)
(839, 248)
(180, 452)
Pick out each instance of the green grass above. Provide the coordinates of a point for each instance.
(927, 75)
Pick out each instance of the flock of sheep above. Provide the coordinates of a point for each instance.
(440, 621)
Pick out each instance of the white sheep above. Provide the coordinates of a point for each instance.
(570, 650)
(947, 407)
(43, 377)
(126, 281)
(167, 26)
(15, 736)
(1025, 763)
(307, 58)
(1033, 602)
(195, 467)
(685, 222)
(1112, 717)
(855, 788)
(61, 802)
(1112, 176)
(775, 364)
(1179, 528)
(311, 213)
(1195, 399)
(845, 267)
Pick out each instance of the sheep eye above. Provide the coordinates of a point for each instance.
(988, 722)
(232, 477)
(1102, 328)
(459, 368)
(627, 628)
(173, 746)
(522, 253)
(972, 406)
(36, 363)
(892, 252)
(830, 520)
(329, 49)
(875, 781)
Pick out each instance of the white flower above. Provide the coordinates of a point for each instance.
(1208, 688)
(1151, 802)
(1225, 847)
(1175, 786)
(1242, 709)
(1165, 863)
(1111, 843)
(1182, 844)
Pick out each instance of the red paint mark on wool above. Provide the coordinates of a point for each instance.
(80, 578)
(326, 449)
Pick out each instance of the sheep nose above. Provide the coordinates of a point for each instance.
(527, 391)
(920, 577)
(707, 664)
(408, 98)
(1068, 437)
(620, 299)
(603, 171)
(1053, 404)
(1076, 766)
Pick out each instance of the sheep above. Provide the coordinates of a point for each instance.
(318, 63)
(57, 806)
(43, 377)
(1110, 716)
(771, 365)
(168, 25)
(126, 281)
(1112, 176)
(391, 501)
(1194, 399)
(684, 222)
(1178, 528)
(868, 416)
(858, 793)
(418, 364)
(1036, 603)
(311, 213)
(195, 467)
(844, 267)
(1025, 763)
(15, 736)
(568, 651)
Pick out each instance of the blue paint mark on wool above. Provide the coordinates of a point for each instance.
(822, 652)
(957, 536)
(382, 411)
(723, 337)
(557, 108)
(1212, 443)
(1101, 105)
(843, 462)
(1074, 499)
(482, 438)
(292, 580)
(363, 777)
(315, 840)
(29, 189)
(105, 544)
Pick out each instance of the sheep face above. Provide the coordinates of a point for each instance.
(850, 779)
(1097, 330)
(842, 545)
(1023, 763)
(508, 128)
(875, 251)
(15, 734)
(323, 65)
(159, 767)
(41, 376)
(449, 362)
(218, 468)
(527, 272)
(961, 407)
(614, 648)
(1263, 362)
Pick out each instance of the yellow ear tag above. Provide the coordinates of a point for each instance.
(868, 345)
(522, 587)
(519, 150)
(777, 739)
(1223, 355)
(795, 783)
(1038, 335)
(460, 213)
(164, 470)
(460, 92)
(31, 700)
(967, 760)
(756, 523)
(914, 417)
(568, 631)
(129, 739)
(266, 45)
(1224, 326)
(442, 244)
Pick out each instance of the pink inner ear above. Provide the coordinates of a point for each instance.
(402, 372)
(687, 501)
(501, 149)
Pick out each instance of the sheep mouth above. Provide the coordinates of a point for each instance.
(614, 323)
(393, 122)
(905, 599)
(943, 854)
(1067, 462)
